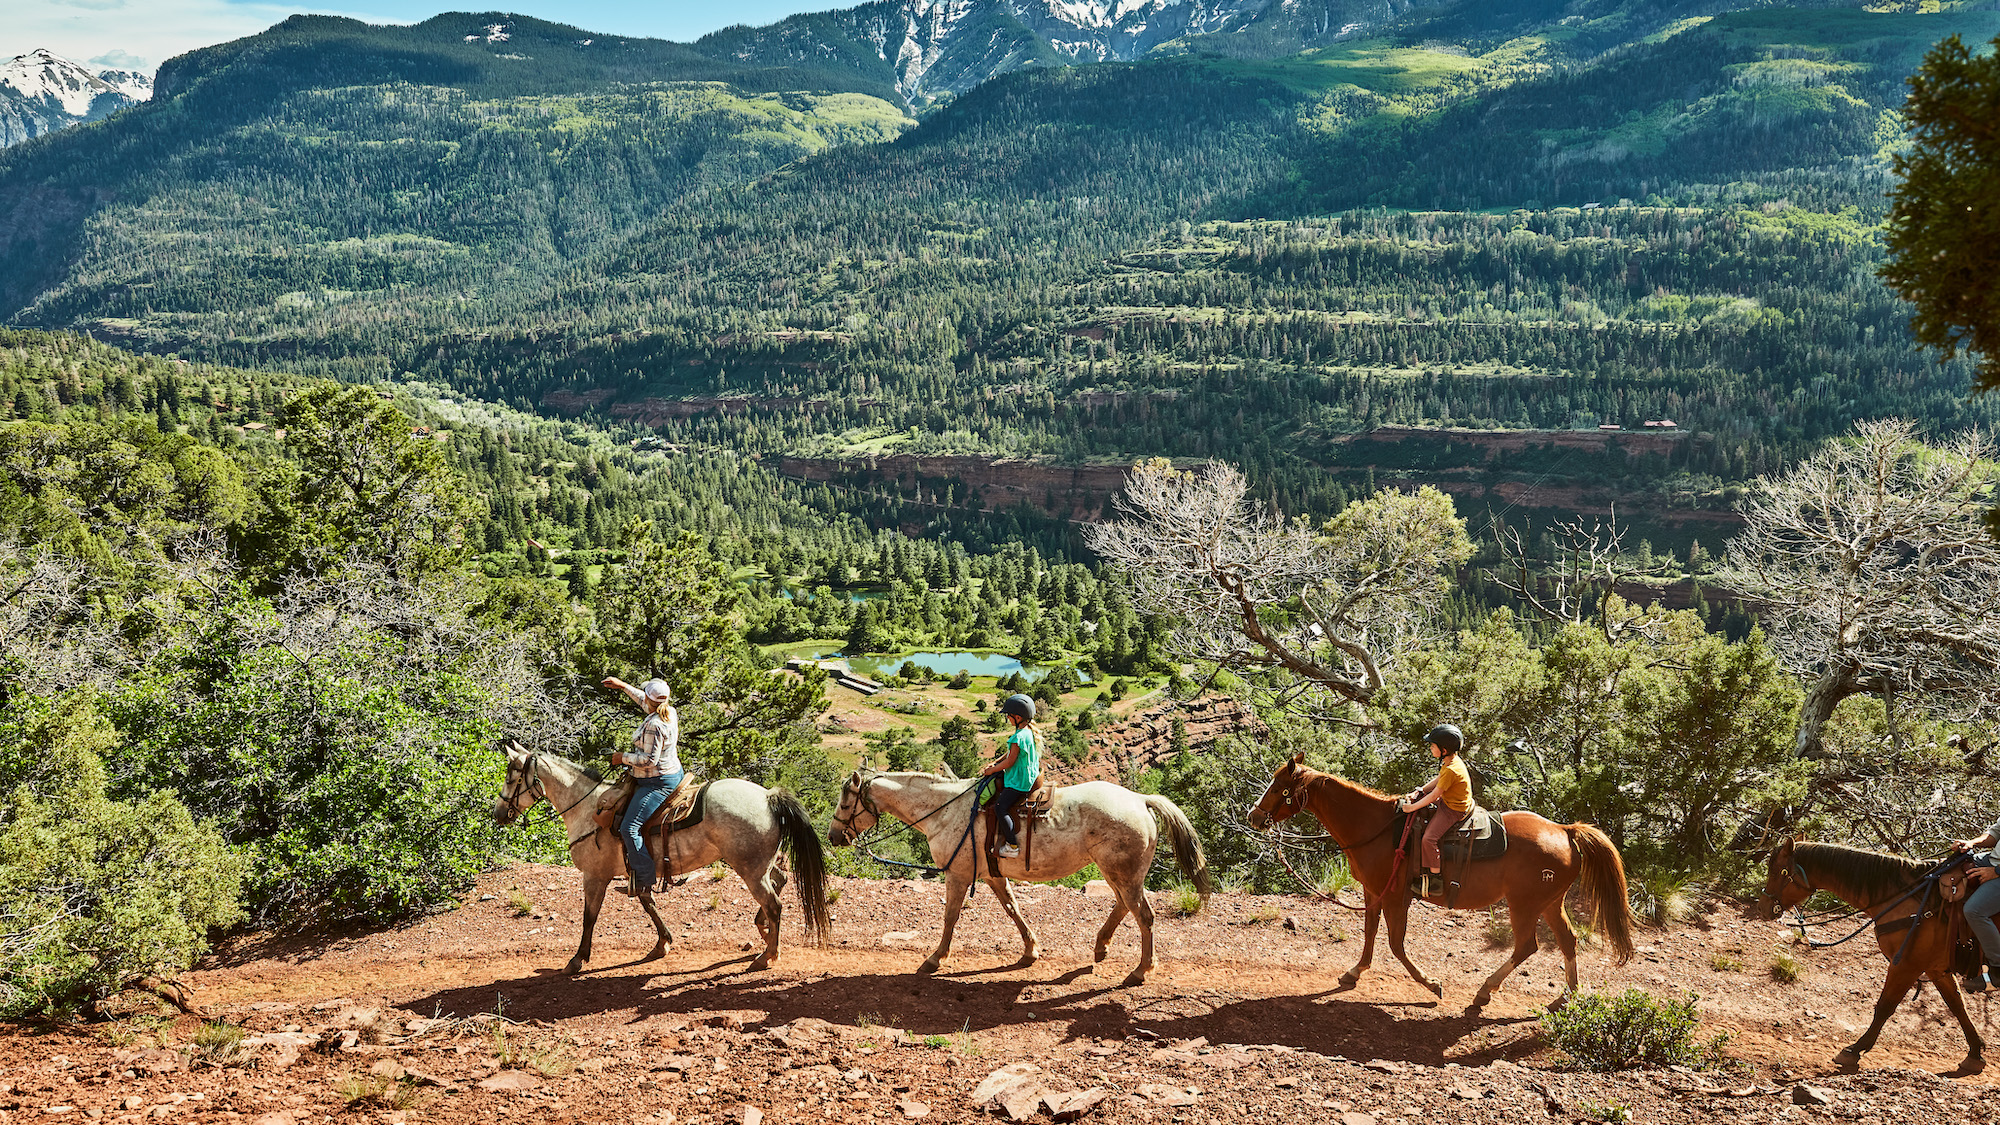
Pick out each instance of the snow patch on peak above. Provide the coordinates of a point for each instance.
(43, 76)
(134, 84)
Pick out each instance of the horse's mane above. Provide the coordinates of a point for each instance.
(1870, 874)
(1315, 775)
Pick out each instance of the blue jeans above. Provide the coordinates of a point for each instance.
(1980, 906)
(647, 797)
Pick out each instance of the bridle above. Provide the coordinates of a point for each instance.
(532, 786)
(862, 803)
(1797, 874)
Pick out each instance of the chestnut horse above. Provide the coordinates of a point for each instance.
(1886, 888)
(1542, 860)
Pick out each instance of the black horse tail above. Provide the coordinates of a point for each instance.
(1187, 846)
(808, 862)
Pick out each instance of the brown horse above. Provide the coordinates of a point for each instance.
(1541, 862)
(1880, 886)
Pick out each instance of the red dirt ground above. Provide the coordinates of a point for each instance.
(1243, 1019)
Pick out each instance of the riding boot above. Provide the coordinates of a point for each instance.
(1975, 981)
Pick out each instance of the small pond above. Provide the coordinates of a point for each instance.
(877, 665)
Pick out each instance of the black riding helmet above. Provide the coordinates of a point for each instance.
(1018, 704)
(1449, 738)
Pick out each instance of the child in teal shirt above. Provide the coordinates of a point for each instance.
(1019, 768)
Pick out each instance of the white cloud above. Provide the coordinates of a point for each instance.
(119, 60)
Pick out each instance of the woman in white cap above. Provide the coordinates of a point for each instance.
(655, 763)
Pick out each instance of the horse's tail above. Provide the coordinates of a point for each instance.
(1187, 846)
(808, 862)
(1604, 886)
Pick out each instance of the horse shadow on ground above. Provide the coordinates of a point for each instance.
(1417, 1032)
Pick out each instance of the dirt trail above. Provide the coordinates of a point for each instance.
(1244, 1019)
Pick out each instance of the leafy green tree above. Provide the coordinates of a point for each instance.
(362, 485)
(667, 609)
(95, 894)
(351, 761)
(114, 494)
(1708, 731)
(958, 746)
(1943, 234)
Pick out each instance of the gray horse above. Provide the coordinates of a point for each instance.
(1096, 822)
(744, 826)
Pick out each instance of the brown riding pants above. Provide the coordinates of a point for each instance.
(1442, 821)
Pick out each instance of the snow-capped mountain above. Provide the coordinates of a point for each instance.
(134, 84)
(931, 48)
(41, 92)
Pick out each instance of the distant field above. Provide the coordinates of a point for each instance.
(1374, 65)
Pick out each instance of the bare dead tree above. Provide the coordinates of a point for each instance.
(1579, 584)
(1250, 590)
(1877, 574)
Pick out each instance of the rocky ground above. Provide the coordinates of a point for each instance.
(466, 1017)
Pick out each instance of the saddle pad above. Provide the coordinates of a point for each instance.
(683, 810)
(1481, 830)
(1484, 835)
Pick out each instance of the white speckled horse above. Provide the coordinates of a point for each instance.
(744, 825)
(1096, 822)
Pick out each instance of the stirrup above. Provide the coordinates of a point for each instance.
(1007, 851)
(1422, 886)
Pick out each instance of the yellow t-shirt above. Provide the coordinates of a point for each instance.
(1454, 785)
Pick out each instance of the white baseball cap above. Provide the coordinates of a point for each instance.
(657, 691)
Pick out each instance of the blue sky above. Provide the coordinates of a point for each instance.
(141, 34)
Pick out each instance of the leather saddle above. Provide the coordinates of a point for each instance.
(1480, 835)
(684, 808)
(1953, 885)
(1032, 808)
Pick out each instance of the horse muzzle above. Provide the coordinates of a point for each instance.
(837, 837)
(504, 813)
(1259, 819)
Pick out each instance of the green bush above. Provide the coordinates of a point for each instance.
(95, 893)
(358, 788)
(1635, 1029)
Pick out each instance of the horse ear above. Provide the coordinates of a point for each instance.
(1299, 759)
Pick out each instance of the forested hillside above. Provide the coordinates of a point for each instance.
(1652, 215)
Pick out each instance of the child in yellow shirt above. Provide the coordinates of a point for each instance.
(1451, 790)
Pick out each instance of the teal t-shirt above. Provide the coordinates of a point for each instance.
(1027, 764)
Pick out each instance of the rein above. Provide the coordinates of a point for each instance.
(533, 785)
(868, 849)
(1305, 790)
(1926, 884)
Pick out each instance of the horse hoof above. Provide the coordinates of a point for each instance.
(1133, 979)
(930, 966)
(1102, 954)
(760, 964)
(1480, 999)
(1436, 987)
(1349, 980)
(659, 951)
(574, 967)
